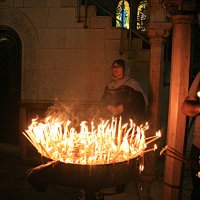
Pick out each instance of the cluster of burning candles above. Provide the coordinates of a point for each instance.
(108, 142)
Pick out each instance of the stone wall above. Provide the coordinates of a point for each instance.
(63, 60)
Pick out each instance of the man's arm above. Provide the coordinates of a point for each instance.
(190, 107)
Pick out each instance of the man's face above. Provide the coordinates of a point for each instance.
(117, 71)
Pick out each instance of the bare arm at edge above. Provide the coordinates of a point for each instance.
(190, 107)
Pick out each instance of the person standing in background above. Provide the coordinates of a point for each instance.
(123, 96)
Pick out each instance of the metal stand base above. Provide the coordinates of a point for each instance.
(90, 196)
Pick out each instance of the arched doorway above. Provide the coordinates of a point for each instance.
(10, 84)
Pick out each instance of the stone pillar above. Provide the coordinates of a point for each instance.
(157, 32)
(180, 63)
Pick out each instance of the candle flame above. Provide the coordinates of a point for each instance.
(108, 142)
(198, 94)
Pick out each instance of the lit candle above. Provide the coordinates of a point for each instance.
(106, 143)
(119, 132)
(198, 95)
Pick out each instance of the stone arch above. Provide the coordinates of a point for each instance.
(15, 19)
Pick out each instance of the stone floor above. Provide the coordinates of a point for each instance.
(14, 186)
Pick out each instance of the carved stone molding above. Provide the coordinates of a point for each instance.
(182, 19)
(159, 29)
(15, 19)
(173, 7)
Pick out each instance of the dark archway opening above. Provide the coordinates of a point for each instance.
(10, 84)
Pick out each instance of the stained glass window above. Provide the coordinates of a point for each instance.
(123, 14)
(142, 16)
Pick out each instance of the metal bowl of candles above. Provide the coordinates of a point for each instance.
(92, 158)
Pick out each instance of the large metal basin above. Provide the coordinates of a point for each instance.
(94, 177)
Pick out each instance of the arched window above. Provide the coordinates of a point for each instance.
(123, 14)
(142, 16)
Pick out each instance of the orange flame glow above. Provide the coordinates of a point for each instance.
(107, 143)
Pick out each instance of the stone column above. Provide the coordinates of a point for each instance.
(180, 63)
(157, 32)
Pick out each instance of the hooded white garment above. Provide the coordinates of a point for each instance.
(116, 83)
